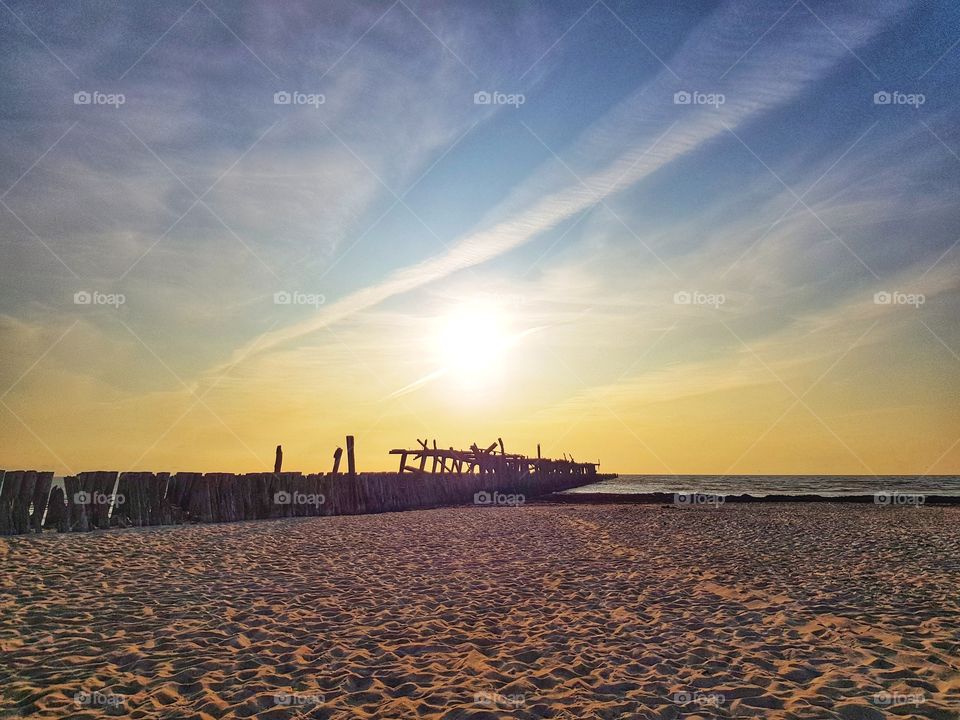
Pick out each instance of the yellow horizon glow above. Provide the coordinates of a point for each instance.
(537, 384)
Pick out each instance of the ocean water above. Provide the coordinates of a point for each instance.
(759, 485)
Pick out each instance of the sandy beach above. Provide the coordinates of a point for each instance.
(574, 611)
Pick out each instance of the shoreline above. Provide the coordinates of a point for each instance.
(665, 498)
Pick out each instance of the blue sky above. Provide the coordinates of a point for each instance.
(578, 215)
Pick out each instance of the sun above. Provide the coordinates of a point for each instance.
(471, 347)
(472, 341)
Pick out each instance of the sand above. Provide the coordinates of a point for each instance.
(575, 611)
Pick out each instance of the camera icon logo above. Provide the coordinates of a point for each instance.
(82, 297)
(82, 498)
(681, 98)
(882, 298)
(482, 498)
(282, 298)
(282, 498)
(282, 98)
(82, 98)
(882, 98)
(482, 97)
(682, 298)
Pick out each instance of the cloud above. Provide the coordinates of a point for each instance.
(751, 89)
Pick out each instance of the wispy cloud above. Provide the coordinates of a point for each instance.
(749, 90)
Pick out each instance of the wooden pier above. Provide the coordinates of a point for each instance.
(428, 477)
(488, 461)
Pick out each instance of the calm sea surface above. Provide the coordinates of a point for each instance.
(757, 485)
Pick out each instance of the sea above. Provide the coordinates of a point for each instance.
(761, 485)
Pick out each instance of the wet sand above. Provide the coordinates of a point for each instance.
(568, 611)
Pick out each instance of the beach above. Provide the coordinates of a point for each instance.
(569, 611)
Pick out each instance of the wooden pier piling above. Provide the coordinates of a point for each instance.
(351, 460)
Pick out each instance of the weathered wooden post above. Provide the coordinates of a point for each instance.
(336, 460)
(8, 502)
(21, 510)
(4, 514)
(278, 463)
(57, 511)
(423, 455)
(351, 460)
(41, 494)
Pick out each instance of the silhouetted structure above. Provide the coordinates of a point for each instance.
(108, 499)
(489, 461)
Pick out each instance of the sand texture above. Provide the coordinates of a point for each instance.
(573, 611)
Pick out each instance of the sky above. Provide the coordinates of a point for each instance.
(671, 237)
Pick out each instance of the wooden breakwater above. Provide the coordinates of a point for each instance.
(108, 499)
